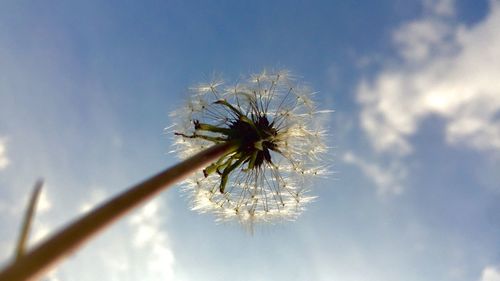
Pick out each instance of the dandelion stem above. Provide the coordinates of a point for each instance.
(28, 219)
(33, 264)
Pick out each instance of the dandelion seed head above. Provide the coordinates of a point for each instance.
(279, 145)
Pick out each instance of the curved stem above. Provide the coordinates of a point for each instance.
(43, 257)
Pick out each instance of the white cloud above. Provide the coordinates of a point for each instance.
(490, 273)
(440, 7)
(149, 237)
(137, 248)
(387, 179)
(4, 161)
(41, 227)
(44, 204)
(446, 70)
(97, 195)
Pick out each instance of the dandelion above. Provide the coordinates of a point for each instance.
(277, 143)
(261, 142)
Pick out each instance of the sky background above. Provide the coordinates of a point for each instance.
(86, 88)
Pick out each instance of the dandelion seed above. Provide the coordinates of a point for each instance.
(278, 144)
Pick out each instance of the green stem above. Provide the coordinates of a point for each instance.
(35, 263)
(230, 106)
(211, 128)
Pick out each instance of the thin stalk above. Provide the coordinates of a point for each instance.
(35, 263)
(28, 219)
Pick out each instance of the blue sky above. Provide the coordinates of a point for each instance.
(86, 89)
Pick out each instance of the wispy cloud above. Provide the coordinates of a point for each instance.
(137, 248)
(4, 161)
(490, 273)
(388, 179)
(440, 7)
(444, 69)
(97, 195)
(42, 226)
(441, 69)
(150, 238)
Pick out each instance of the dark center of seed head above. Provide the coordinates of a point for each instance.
(256, 136)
